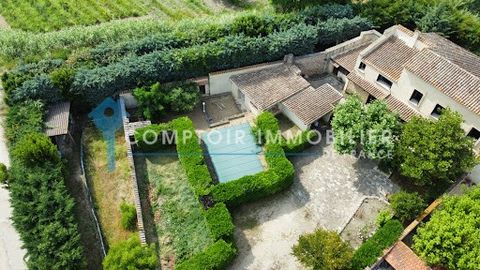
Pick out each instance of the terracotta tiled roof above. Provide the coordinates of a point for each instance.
(267, 87)
(348, 60)
(403, 110)
(57, 119)
(401, 257)
(372, 89)
(312, 104)
(390, 57)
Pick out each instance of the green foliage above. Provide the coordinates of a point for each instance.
(129, 216)
(407, 206)
(291, 5)
(383, 238)
(3, 174)
(267, 128)
(62, 79)
(153, 137)
(35, 148)
(24, 119)
(438, 20)
(300, 142)
(371, 128)
(323, 250)
(316, 14)
(219, 222)
(216, 257)
(153, 101)
(383, 217)
(434, 152)
(132, 255)
(253, 187)
(450, 237)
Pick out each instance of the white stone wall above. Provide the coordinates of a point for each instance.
(290, 115)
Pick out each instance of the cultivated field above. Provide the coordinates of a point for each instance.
(49, 15)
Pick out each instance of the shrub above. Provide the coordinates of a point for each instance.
(62, 79)
(407, 206)
(24, 119)
(3, 174)
(215, 257)
(290, 5)
(219, 221)
(383, 217)
(301, 142)
(369, 251)
(35, 148)
(130, 254)
(177, 97)
(267, 128)
(323, 250)
(129, 216)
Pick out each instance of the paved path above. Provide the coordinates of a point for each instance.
(11, 254)
(327, 191)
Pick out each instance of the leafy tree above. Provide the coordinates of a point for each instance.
(129, 216)
(323, 250)
(150, 101)
(35, 148)
(407, 206)
(431, 151)
(372, 128)
(183, 98)
(131, 255)
(438, 19)
(450, 237)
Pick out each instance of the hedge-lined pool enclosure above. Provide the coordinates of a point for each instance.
(233, 151)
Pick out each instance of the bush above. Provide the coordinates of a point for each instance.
(407, 206)
(129, 216)
(153, 101)
(369, 251)
(3, 174)
(290, 5)
(216, 257)
(323, 250)
(35, 148)
(62, 79)
(219, 221)
(267, 128)
(383, 217)
(24, 119)
(130, 254)
(301, 142)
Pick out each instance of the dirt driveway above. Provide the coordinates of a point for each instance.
(327, 191)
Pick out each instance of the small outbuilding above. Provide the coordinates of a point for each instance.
(57, 124)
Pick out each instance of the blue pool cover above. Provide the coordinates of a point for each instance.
(233, 151)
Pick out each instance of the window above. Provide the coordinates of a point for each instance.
(362, 66)
(416, 97)
(437, 111)
(474, 133)
(384, 82)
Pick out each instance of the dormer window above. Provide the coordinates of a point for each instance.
(416, 97)
(386, 83)
(437, 111)
(362, 66)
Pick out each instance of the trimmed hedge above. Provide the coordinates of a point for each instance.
(301, 142)
(368, 252)
(219, 222)
(253, 187)
(215, 257)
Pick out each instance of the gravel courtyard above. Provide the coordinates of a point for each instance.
(327, 191)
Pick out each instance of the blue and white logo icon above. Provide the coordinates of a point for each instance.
(108, 119)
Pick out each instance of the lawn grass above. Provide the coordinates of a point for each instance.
(180, 226)
(50, 15)
(109, 189)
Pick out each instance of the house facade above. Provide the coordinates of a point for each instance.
(416, 74)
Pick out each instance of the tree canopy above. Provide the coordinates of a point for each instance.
(435, 150)
(371, 127)
(323, 250)
(451, 237)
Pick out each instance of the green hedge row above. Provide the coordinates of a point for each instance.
(300, 143)
(372, 249)
(219, 222)
(215, 257)
(42, 207)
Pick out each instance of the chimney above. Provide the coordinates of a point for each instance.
(413, 40)
(289, 59)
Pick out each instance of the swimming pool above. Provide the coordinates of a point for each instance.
(233, 151)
